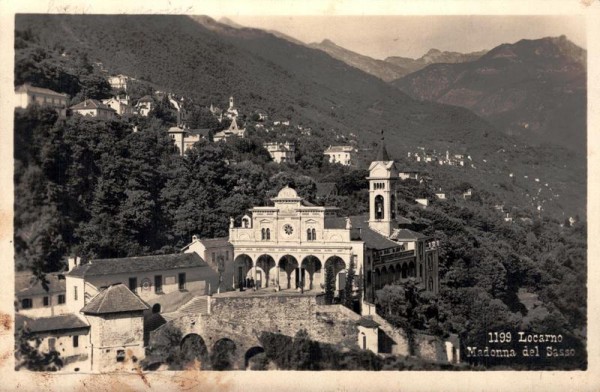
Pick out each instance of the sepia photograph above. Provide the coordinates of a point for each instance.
(199, 192)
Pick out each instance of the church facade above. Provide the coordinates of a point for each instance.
(289, 245)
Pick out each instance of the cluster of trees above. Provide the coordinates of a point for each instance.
(98, 189)
(52, 68)
(486, 265)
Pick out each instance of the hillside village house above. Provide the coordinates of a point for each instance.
(185, 138)
(118, 82)
(340, 154)
(155, 279)
(233, 131)
(27, 95)
(94, 108)
(120, 105)
(218, 253)
(145, 105)
(281, 152)
(32, 299)
(67, 334)
(116, 319)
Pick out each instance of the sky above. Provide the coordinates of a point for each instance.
(412, 36)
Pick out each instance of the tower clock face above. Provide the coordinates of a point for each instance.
(288, 229)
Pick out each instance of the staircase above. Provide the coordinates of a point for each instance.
(399, 342)
(196, 306)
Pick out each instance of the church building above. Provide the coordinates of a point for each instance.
(290, 244)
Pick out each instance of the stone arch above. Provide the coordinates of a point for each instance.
(412, 271)
(289, 266)
(404, 271)
(251, 353)
(242, 266)
(392, 272)
(398, 274)
(384, 276)
(339, 271)
(313, 267)
(193, 348)
(222, 355)
(264, 263)
(377, 279)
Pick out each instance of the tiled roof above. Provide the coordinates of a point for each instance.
(372, 239)
(367, 322)
(406, 234)
(146, 98)
(325, 188)
(138, 264)
(40, 90)
(26, 284)
(90, 104)
(339, 149)
(54, 323)
(115, 299)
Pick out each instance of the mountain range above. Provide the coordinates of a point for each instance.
(392, 67)
(532, 88)
(207, 61)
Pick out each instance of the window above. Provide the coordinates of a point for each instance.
(379, 214)
(52, 344)
(182, 281)
(263, 234)
(158, 284)
(46, 301)
(26, 303)
(133, 284)
(75, 293)
(226, 255)
(268, 234)
(120, 355)
(61, 299)
(213, 257)
(75, 341)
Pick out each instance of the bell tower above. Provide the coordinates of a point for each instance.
(383, 177)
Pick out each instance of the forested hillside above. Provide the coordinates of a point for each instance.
(98, 188)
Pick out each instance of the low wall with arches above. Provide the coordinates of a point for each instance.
(242, 320)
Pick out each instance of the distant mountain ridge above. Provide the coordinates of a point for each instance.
(532, 88)
(434, 56)
(207, 62)
(386, 71)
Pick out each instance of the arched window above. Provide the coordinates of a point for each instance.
(379, 214)
(430, 284)
(263, 234)
(268, 234)
(314, 234)
(308, 235)
(393, 206)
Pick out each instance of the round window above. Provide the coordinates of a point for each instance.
(288, 229)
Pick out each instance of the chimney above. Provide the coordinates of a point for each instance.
(73, 262)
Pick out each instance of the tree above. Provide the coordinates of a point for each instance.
(349, 287)
(28, 355)
(329, 283)
(165, 347)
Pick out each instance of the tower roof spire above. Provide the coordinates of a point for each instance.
(382, 154)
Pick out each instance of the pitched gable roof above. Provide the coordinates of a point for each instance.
(54, 323)
(27, 285)
(90, 104)
(138, 264)
(115, 299)
(27, 88)
(406, 234)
